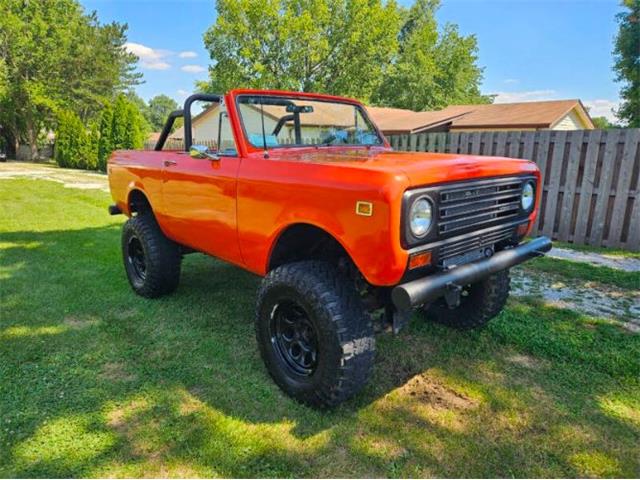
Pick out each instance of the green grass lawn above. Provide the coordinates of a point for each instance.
(95, 381)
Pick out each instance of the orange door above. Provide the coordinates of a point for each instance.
(199, 203)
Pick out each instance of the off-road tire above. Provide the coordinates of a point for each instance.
(162, 257)
(344, 332)
(482, 302)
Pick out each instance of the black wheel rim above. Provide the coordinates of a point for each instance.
(135, 257)
(294, 337)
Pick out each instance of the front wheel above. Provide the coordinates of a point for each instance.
(479, 303)
(314, 336)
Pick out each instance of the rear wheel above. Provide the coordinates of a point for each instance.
(152, 261)
(479, 303)
(314, 336)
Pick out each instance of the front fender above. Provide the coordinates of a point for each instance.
(265, 210)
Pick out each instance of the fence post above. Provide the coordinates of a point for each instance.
(570, 185)
(622, 189)
(604, 188)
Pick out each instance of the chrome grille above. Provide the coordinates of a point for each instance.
(477, 205)
(474, 242)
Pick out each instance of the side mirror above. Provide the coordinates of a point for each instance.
(202, 151)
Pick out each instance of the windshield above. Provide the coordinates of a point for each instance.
(274, 121)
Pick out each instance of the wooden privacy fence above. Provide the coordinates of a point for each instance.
(590, 194)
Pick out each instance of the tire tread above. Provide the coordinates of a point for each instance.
(163, 256)
(327, 291)
(488, 302)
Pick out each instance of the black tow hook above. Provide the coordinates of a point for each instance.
(452, 295)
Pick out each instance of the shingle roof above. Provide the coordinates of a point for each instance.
(497, 115)
(397, 120)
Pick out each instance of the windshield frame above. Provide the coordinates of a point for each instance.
(313, 98)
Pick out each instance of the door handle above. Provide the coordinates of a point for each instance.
(169, 163)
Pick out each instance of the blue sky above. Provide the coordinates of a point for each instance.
(530, 49)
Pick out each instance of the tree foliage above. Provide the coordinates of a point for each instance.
(367, 49)
(119, 126)
(159, 109)
(602, 123)
(74, 148)
(433, 68)
(54, 57)
(337, 46)
(627, 62)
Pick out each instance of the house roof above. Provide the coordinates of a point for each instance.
(397, 120)
(153, 137)
(497, 115)
(323, 114)
(522, 115)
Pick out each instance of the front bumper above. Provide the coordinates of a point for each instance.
(423, 290)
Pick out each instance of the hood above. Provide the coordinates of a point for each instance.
(420, 168)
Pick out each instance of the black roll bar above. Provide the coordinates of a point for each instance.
(166, 130)
(186, 113)
(205, 97)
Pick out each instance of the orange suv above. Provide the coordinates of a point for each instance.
(349, 235)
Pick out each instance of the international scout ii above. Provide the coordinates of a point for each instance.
(349, 236)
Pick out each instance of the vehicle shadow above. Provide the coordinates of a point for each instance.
(131, 382)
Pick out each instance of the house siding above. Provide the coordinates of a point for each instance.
(570, 121)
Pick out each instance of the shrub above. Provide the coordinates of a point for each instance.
(105, 137)
(73, 143)
(119, 126)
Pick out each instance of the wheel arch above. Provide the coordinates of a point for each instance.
(304, 241)
(138, 201)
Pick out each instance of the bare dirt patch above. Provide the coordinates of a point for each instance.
(526, 361)
(70, 178)
(79, 323)
(424, 388)
(118, 417)
(116, 372)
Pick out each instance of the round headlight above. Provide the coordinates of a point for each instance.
(420, 217)
(528, 196)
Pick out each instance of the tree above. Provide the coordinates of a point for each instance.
(626, 56)
(121, 127)
(159, 109)
(55, 57)
(366, 49)
(337, 46)
(601, 123)
(105, 136)
(433, 68)
(74, 148)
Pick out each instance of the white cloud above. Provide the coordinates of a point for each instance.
(193, 68)
(602, 108)
(150, 58)
(188, 54)
(511, 81)
(182, 93)
(530, 96)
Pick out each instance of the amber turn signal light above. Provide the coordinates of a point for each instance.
(364, 208)
(418, 260)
